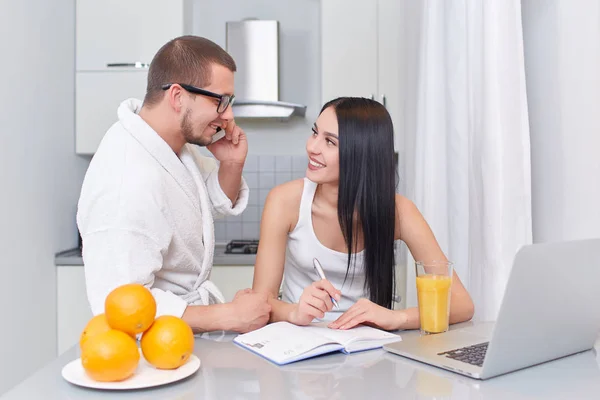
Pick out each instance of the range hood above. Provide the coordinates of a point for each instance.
(254, 45)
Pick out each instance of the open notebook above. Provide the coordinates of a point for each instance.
(284, 343)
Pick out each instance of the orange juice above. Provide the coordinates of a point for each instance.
(433, 292)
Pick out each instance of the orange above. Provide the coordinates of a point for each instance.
(130, 308)
(168, 343)
(110, 356)
(96, 325)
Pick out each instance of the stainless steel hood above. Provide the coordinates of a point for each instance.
(254, 45)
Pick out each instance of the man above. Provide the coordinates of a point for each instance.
(149, 197)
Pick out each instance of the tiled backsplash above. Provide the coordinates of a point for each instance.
(261, 173)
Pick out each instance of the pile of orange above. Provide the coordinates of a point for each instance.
(108, 344)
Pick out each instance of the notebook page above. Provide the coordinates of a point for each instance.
(356, 339)
(283, 342)
(344, 366)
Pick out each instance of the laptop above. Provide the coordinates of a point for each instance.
(549, 311)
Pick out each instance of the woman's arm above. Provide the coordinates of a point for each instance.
(280, 216)
(412, 228)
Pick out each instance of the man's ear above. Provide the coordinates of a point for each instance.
(175, 98)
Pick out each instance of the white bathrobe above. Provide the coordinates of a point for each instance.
(146, 216)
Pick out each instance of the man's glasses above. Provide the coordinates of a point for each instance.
(225, 100)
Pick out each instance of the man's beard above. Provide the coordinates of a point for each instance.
(188, 132)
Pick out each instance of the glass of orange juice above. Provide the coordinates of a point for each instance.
(434, 280)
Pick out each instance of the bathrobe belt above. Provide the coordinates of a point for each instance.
(201, 296)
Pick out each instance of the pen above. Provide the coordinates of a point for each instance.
(319, 269)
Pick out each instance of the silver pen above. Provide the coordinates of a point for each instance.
(320, 272)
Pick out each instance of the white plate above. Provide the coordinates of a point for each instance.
(145, 375)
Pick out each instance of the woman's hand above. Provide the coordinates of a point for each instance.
(314, 302)
(366, 312)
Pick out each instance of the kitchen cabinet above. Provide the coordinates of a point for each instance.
(229, 279)
(112, 32)
(361, 53)
(72, 307)
(348, 48)
(399, 302)
(115, 43)
(97, 97)
(74, 312)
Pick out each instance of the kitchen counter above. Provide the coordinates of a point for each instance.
(230, 372)
(73, 257)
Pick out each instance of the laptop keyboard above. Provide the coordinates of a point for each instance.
(471, 354)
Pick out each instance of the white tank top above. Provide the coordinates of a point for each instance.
(303, 246)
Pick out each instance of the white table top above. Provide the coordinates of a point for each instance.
(230, 372)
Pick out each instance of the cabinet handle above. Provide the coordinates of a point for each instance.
(372, 97)
(136, 64)
(383, 100)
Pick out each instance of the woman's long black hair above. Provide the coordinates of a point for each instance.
(366, 194)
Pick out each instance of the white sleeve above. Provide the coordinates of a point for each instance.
(221, 204)
(113, 257)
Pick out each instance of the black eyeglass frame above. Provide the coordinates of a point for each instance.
(225, 100)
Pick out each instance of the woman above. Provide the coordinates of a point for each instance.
(346, 214)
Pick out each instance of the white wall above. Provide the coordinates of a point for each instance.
(40, 176)
(562, 60)
(299, 63)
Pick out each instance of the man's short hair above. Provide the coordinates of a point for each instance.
(186, 59)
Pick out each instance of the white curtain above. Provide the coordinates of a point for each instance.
(466, 148)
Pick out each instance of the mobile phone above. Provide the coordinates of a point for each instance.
(219, 135)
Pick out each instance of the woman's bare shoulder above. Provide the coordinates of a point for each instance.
(406, 211)
(282, 205)
(404, 205)
(288, 192)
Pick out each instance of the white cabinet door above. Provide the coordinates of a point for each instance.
(230, 279)
(124, 31)
(73, 310)
(362, 55)
(348, 48)
(97, 98)
(391, 63)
